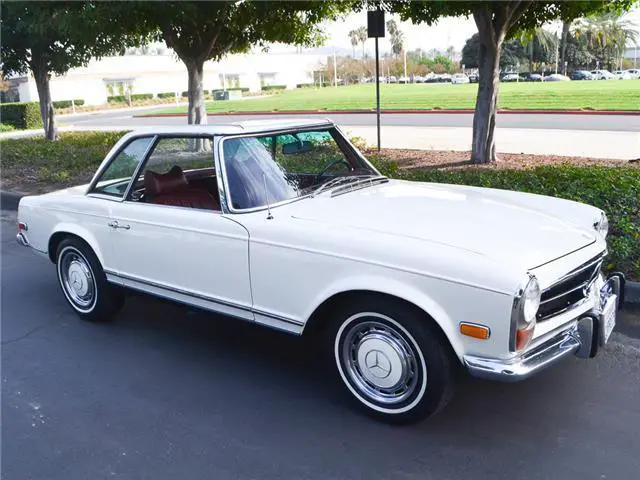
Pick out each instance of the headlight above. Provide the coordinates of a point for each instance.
(523, 317)
(602, 225)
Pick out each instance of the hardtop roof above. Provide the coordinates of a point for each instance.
(249, 126)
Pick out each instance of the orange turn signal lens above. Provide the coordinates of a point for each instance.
(523, 337)
(475, 331)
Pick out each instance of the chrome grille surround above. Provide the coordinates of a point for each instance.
(570, 290)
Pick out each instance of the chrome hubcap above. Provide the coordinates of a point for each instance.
(77, 279)
(380, 362)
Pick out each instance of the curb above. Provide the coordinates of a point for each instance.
(403, 112)
(10, 200)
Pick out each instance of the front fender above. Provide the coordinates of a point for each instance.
(396, 288)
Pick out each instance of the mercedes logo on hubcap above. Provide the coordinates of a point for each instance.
(378, 364)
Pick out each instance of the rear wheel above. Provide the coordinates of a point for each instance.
(392, 360)
(84, 283)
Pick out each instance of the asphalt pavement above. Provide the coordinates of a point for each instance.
(622, 123)
(165, 392)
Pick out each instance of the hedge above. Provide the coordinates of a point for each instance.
(135, 96)
(167, 95)
(616, 190)
(5, 127)
(23, 116)
(266, 88)
(67, 103)
(305, 85)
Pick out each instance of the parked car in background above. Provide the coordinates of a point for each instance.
(286, 224)
(392, 79)
(511, 77)
(418, 79)
(602, 75)
(634, 72)
(622, 75)
(404, 79)
(581, 75)
(473, 77)
(459, 78)
(556, 77)
(534, 77)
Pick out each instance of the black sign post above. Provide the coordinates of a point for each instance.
(375, 29)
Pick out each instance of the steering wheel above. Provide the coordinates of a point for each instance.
(335, 162)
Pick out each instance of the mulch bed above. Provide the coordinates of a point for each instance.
(416, 160)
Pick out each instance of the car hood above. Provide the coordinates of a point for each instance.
(522, 229)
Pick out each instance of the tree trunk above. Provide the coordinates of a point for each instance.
(563, 45)
(197, 109)
(483, 149)
(47, 112)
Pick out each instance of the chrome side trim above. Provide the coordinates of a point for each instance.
(22, 240)
(526, 364)
(213, 304)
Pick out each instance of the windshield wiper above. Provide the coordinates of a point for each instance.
(337, 181)
(361, 183)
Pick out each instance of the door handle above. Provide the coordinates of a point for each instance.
(115, 224)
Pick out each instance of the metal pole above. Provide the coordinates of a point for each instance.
(405, 66)
(377, 94)
(335, 69)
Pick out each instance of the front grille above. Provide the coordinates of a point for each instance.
(571, 289)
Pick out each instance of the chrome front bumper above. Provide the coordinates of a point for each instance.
(581, 337)
(562, 345)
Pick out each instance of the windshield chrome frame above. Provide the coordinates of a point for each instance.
(228, 206)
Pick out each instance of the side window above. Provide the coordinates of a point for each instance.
(115, 179)
(186, 153)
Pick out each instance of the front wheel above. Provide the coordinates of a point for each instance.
(84, 282)
(392, 360)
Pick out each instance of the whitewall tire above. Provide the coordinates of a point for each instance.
(84, 283)
(391, 360)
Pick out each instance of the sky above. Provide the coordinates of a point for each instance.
(448, 31)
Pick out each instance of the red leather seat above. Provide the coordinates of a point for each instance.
(172, 188)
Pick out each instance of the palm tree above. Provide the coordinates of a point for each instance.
(353, 37)
(396, 37)
(362, 35)
(545, 40)
(607, 35)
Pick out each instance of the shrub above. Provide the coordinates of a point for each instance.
(185, 94)
(616, 190)
(267, 88)
(67, 103)
(141, 96)
(305, 85)
(5, 127)
(116, 99)
(167, 95)
(21, 115)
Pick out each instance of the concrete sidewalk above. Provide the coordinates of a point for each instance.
(573, 143)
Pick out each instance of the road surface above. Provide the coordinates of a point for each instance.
(529, 121)
(165, 392)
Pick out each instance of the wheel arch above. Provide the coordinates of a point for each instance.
(421, 303)
(67, 230)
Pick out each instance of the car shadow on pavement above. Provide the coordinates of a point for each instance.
(294, 370)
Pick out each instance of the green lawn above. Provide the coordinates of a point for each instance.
(598, 95)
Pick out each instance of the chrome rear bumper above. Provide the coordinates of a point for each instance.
(22, 240)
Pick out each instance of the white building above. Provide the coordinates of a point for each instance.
(165, 73)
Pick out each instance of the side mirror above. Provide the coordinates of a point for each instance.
(297, 147)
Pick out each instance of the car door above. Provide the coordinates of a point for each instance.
(180, 249)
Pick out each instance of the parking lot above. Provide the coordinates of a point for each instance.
(167, 392)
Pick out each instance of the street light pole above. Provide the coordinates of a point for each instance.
(405, 65)
(335, 69)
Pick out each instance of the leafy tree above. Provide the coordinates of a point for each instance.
(201, 31)
(511, 55)
(498, 21)
(49, 38)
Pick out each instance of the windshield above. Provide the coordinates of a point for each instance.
(267, 169)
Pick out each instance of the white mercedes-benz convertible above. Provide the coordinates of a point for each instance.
(287, 225)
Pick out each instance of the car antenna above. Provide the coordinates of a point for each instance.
(266, 196)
